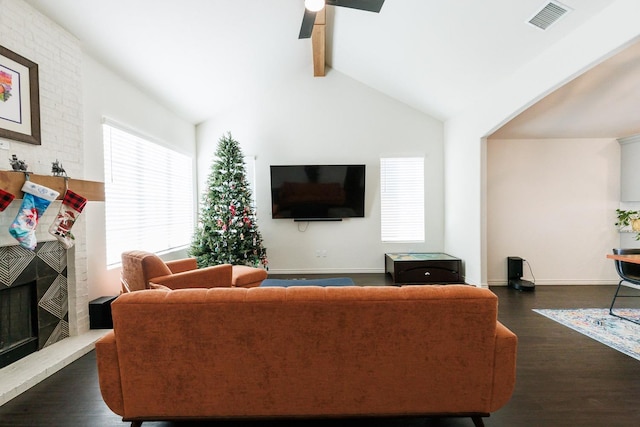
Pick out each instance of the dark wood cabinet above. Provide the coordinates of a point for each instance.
(423, 268)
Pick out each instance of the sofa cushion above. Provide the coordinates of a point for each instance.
(140, 266)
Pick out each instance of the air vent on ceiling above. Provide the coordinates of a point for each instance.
(549, 14)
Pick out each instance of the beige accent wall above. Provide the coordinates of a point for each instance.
(552, 202)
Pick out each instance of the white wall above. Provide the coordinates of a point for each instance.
(334, 119)
(108, 95)
(465, 149)
(552, 202)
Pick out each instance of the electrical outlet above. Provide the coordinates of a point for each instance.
(323, 253)
(5, 145)
(318, 253)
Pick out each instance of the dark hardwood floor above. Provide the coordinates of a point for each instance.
(564, 378)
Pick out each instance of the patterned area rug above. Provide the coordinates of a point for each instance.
(598, 324)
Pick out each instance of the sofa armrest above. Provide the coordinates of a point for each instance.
(243, 276)
(109, 373)
(208, 277)
(504, 368)
(180, 265)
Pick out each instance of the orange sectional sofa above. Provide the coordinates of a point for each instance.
(306, 352)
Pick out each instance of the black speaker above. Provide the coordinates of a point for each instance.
(514, 275)
(100, 313)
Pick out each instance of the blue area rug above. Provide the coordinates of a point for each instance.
(598, 324)
(335, 281)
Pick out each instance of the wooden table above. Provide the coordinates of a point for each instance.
(635, 259)
(423, 268)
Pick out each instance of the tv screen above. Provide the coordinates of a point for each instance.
(317, 192)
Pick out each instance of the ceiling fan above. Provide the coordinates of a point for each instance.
(312, 7)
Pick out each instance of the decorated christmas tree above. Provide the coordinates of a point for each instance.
(227, 232)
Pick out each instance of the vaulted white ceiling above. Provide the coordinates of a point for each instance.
(200, 56)
(601, 103)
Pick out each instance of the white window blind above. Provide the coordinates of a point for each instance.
(402, 199)
(148, 194)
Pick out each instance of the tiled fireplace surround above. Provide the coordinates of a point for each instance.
(64, 333)
(47, 267)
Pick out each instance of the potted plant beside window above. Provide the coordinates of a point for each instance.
(629, 220)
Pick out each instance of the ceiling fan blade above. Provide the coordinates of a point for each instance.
(368, 5)
(308, 20)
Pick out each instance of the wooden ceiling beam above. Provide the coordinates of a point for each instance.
(318, 44)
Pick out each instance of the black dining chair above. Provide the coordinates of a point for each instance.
(629, 276)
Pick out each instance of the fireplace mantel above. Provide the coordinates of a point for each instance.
(12, 182)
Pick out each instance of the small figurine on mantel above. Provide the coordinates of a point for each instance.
(57, 169)
(17, 164)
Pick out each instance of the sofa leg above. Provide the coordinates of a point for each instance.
(477, 421)
(136, 423)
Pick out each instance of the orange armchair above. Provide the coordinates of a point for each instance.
(141, 269)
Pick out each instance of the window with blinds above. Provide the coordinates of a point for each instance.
(402, 199)
(148, 194)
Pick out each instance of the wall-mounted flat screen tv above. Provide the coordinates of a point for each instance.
(317, 192)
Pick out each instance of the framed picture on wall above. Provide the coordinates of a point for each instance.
(19, 98)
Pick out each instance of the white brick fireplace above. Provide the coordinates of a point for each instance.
(59, 58)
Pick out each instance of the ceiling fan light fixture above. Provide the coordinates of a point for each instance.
(314, 5)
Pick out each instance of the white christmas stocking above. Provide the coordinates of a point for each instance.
(72, 206)
(36, 200)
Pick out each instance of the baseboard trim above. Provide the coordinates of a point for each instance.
(563, 282)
